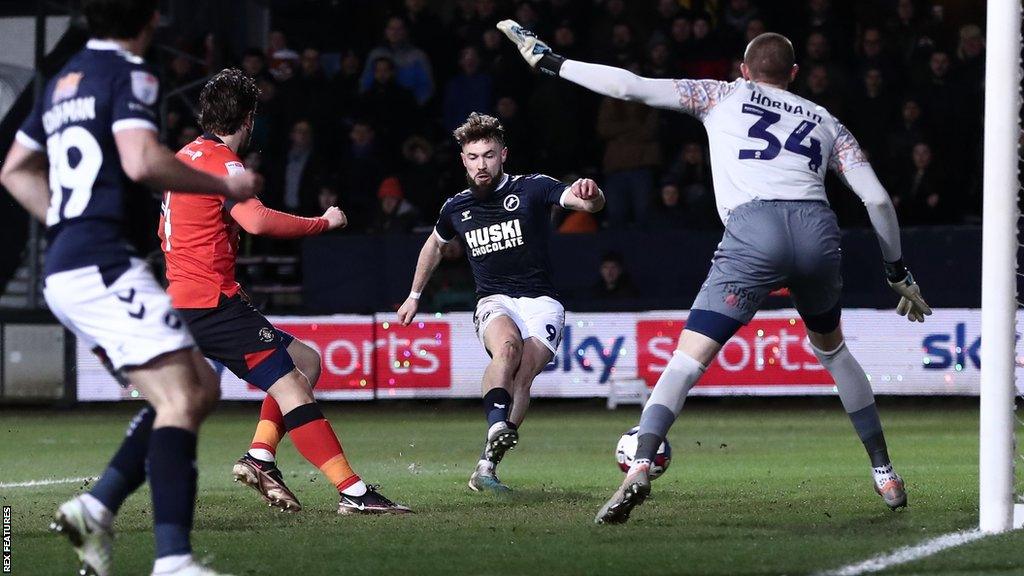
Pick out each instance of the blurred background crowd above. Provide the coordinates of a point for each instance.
(359, 100)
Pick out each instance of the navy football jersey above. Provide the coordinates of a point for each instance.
(506, 235)
(100, 91)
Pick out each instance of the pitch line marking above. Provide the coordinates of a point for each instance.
(49, 482)
(907, 554)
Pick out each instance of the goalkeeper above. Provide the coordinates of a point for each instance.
(770, 150)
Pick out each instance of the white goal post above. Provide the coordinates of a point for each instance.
(999, 266)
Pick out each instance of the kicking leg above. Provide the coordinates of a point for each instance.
(695, 351)
(504, 343)
(859, 401)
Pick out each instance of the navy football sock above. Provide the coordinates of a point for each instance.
(497, 402)
(172, 480)
(127, 469)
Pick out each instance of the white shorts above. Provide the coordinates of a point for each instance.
(542, 318)
(131, 320)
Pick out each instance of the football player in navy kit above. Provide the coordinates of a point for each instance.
(504, 222)
(89, 138)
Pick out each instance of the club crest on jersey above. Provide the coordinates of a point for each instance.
(494, 238)
(266, 334)
(145, 87)
(511, 203)
(67, 86)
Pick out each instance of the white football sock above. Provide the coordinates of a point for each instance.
(883, 474)
(262, 454)
(355, 490)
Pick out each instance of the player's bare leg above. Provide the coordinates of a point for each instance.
(859, 401)
(505, 345)
(258, 468)
(694, 352)
(182, 390)
(535, 357)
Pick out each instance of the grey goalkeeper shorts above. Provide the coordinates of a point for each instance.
(774, 244)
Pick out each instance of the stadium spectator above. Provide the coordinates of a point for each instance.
(818, 52)
(691, 174)
(910, 130)
(906, 29)
(613, 12)
(668, 212)
(659, 63)
(517, 135)
(282, 60)
(924, 195)
(394, 214)
(309, 94)
(387, 105)
(363, 167)
(708, 55)
(665, 13)
(871, 54)
(470, 91)
(428, 32)
(297, 176)
(629, 131)
(942, 100)
(622, 48)
(412, 65)
(818, 89)
(872, 114)
(680, 40)
(254, 62)
(344, 85)
(614, 282)
(420, 177)
(736, 16)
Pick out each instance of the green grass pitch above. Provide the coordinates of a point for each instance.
(755, 487)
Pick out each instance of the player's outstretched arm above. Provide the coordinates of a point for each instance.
(24, 174)
(606, 80)
(864, 183)
(430, 257)
(255, 218)
(148, 162)
(583, 195)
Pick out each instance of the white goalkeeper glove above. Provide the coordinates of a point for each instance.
(911, 305)
(536, 53)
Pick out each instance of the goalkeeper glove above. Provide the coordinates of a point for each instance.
(536, 53)
(911, 305)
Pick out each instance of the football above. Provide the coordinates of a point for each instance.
(626, 450)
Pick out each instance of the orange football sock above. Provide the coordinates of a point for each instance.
(270, 427)
(315, 440)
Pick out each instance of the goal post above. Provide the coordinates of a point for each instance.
(999, 265)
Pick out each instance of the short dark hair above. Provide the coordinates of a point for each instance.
(226, 101)
(479, 127)
(770, 57)
(121, 19)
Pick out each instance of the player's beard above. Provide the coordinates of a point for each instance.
(486, 189)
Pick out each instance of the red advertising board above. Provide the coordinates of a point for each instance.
(415, 356)
(772, 352)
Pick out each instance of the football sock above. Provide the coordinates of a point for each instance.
(883, 474)
(496, 405)
(315, 440)
(172, 481)
(171, 564)
(858, 400)
(268, 431)
(127, 469)
(666, 402)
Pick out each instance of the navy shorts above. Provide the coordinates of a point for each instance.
(238, 336)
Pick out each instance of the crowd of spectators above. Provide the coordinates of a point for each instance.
(363, 117)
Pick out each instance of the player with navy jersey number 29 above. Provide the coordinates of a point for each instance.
(504, 222)
(770, 150)
(91, 135)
